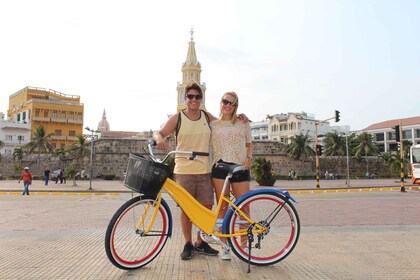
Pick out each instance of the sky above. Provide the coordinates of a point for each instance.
(360, 57)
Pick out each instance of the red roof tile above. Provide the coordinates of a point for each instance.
(393, 123)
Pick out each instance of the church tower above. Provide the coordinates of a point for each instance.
(191, 71)
(103, 124)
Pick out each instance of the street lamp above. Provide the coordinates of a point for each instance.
(91, 155)
(347, 156)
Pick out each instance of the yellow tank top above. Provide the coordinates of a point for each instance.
(193, 136)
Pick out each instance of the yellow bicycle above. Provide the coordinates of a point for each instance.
(262, 227)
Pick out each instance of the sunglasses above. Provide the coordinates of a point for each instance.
(197, 96)
(227, 102)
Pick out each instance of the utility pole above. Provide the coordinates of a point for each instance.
(401, 157)
(318, 148)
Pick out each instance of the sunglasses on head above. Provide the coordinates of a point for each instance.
(191, 96)
(227, 102)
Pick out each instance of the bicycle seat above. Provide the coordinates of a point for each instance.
(230, 167)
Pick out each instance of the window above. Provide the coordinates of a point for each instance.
(58, 132)
(417, 133)
(379, 137)
(37, 113)
(406, 134)
(192, 76)
(54, 115)
(8, 137)
(45, 114)
(63, 115)
(72, 133)
(79, 117)
(391, 135)
(71, 116)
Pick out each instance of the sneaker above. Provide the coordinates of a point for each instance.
(225, 254)
(188, 251)
(205, 248)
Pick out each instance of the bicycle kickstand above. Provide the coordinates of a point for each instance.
(250, 240)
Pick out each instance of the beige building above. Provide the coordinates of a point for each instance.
(61, 114)
(384, 132)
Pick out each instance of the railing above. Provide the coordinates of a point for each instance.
(57, 137)
(41, 119)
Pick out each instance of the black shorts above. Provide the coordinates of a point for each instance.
(241, 176)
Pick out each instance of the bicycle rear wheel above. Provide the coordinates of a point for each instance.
(127, 244)
(277, 215)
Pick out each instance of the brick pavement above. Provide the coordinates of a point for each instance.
(351, 235)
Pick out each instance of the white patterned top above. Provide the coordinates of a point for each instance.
(229, 140)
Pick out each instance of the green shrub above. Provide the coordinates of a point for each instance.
(263, 172)
(109, 176)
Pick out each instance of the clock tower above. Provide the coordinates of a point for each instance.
(191, 72)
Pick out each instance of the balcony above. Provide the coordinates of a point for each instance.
(59, 120)
(41, 119)
(75, 121)
(58, 137)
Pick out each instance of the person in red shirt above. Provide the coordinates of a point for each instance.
(27, 180)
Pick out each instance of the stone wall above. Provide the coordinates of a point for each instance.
(111, 156)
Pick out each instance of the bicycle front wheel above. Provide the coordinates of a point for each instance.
(129, 244)
(277, 215)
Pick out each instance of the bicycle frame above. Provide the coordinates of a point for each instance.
(204, 218)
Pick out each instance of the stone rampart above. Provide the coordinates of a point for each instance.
(111, 156)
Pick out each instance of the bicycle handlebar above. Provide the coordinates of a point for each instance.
(193, 155)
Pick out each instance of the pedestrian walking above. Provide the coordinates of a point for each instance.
(46, 176)
(27, 180)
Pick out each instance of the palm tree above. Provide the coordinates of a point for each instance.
(335, 145)
(80, 149)
(365, 147)
(1, 146)
(18, 153)
(41, 141)
(299, 147)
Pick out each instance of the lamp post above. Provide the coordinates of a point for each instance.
(316, 156)
(91, 155)
(348, 165)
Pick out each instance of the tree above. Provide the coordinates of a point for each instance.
(335, 145)
(71, 172)
(299, 147)
(1, 146)
(41, 142)
(80, 149)
(18, 153)
(365, 147)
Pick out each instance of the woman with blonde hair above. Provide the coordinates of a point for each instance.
(231, 140)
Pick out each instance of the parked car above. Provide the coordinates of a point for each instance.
(54, 174)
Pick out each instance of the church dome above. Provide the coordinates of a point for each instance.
(103, 124)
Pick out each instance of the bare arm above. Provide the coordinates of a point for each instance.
(166, 130)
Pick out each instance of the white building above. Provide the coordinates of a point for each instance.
(259, 130)
(13, 135)
(384, 132)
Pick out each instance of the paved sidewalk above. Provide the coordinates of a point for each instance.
(101, 186)
(356, 235)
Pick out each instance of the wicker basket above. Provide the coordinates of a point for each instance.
(145, 176)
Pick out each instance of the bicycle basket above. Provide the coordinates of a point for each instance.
(145, 176)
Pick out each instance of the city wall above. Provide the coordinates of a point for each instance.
(111, 156)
